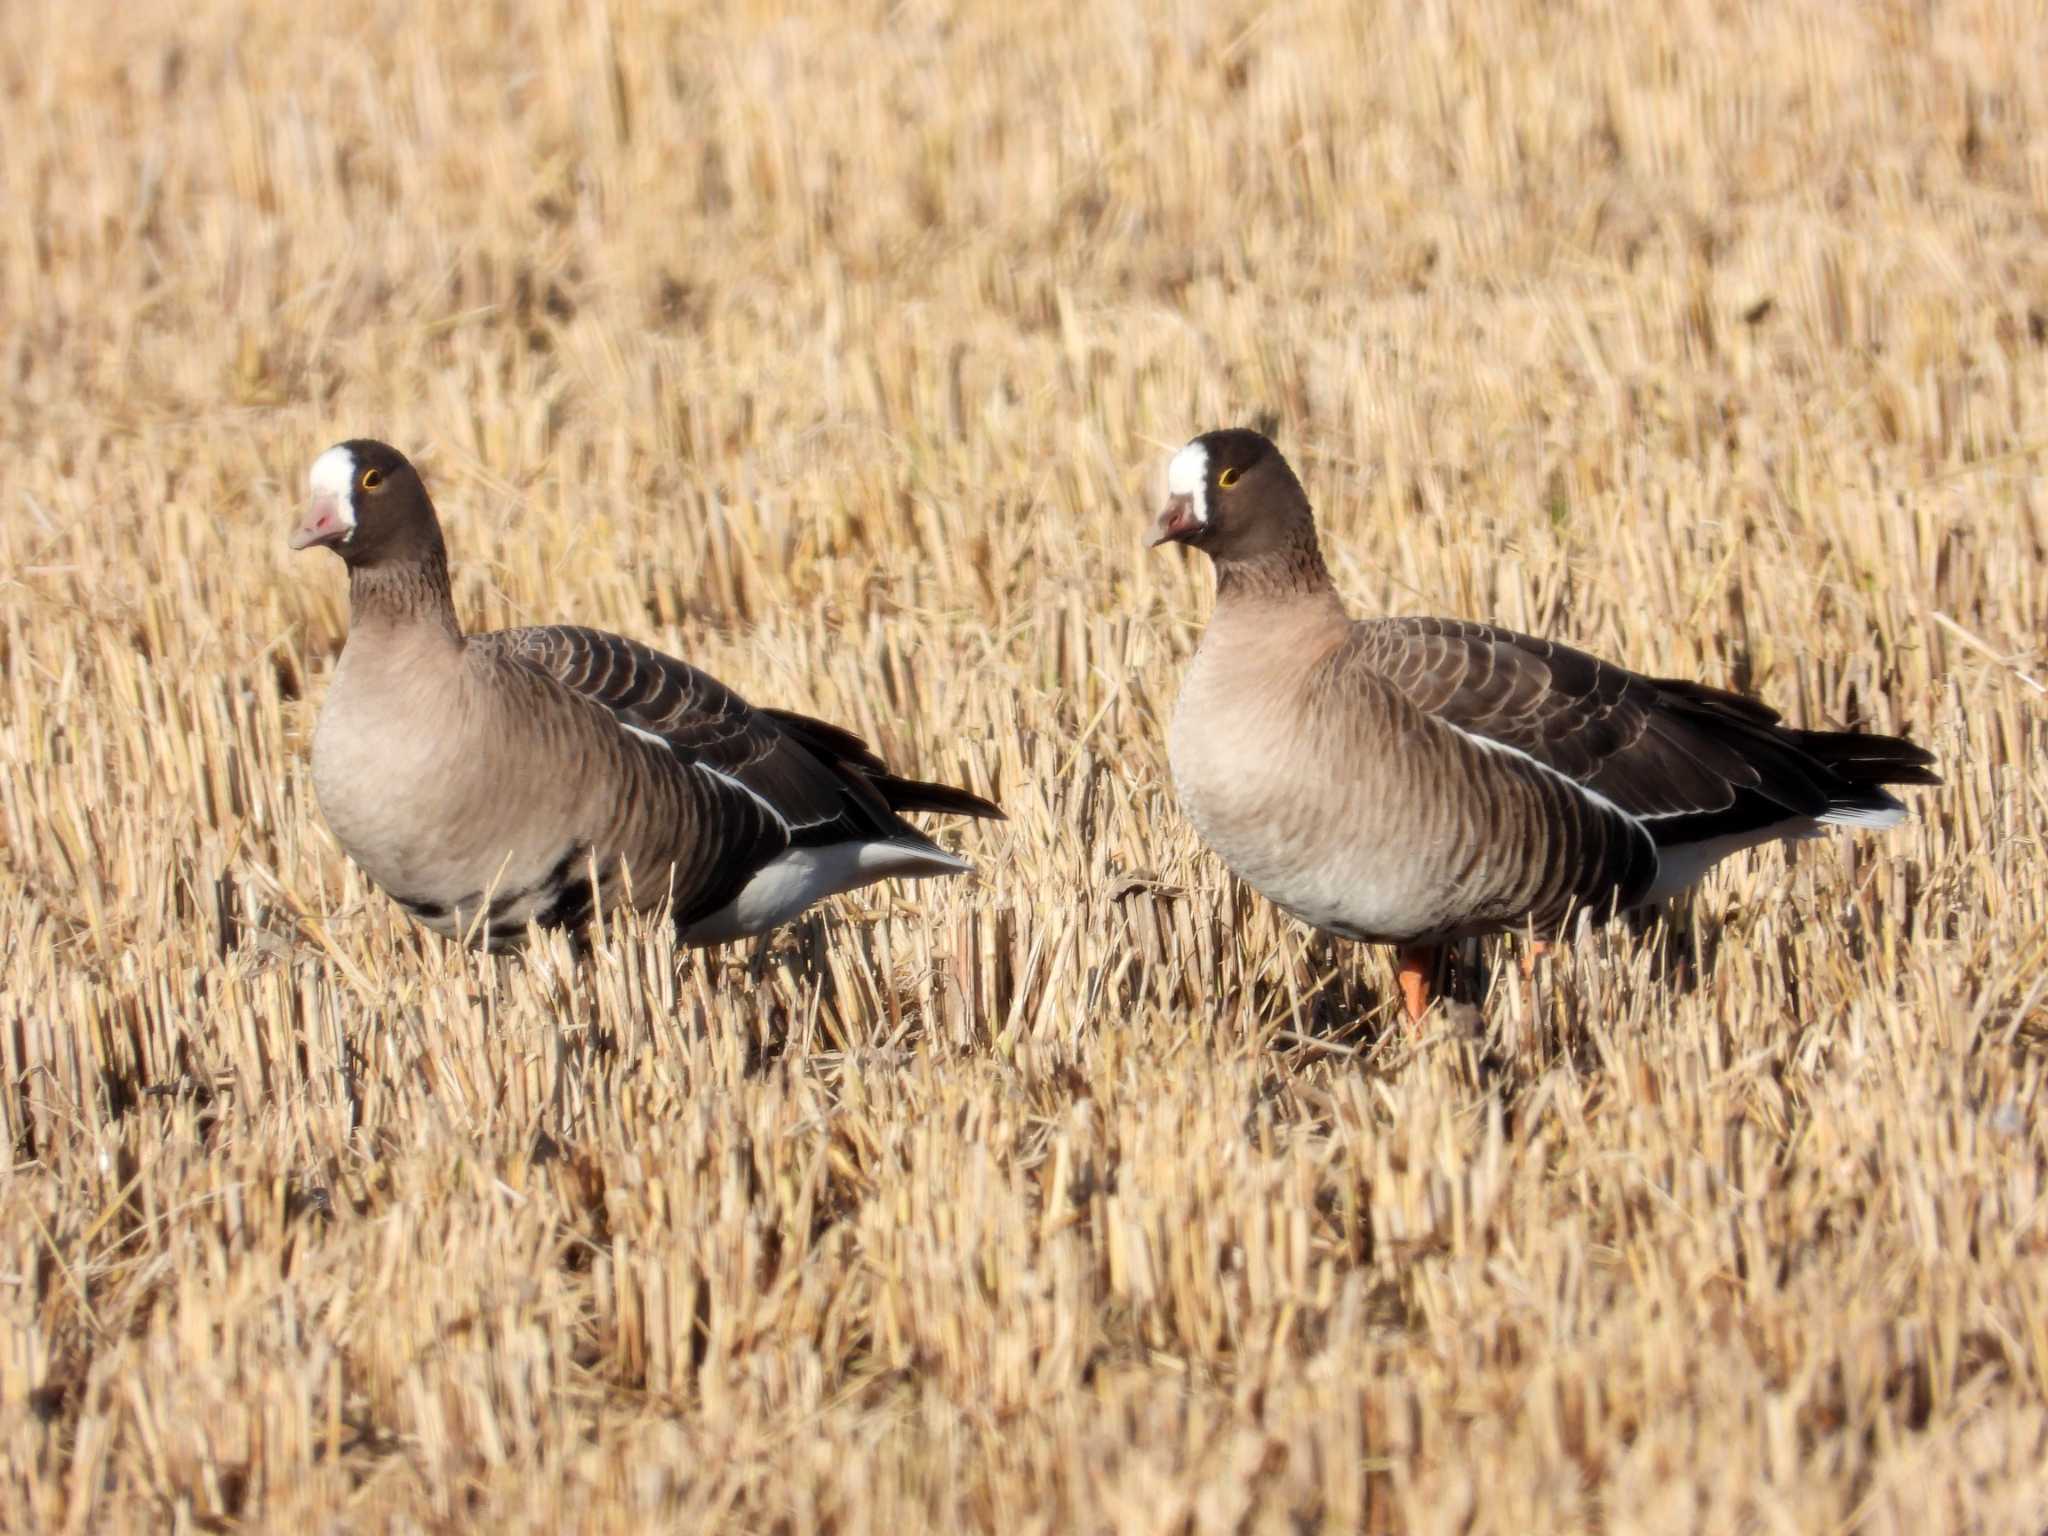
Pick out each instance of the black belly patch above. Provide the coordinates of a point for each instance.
(504, 905)
(571, 906)
(563, 898)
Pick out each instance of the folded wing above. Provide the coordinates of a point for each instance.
(1694, 764)
(795, 787)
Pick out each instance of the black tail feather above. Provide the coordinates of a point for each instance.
(1865, 760)
(1774, 764)
(1799, 776)
(917, 795)
(836, 744)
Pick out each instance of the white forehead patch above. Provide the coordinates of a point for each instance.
(334, 474)
(1187, 474)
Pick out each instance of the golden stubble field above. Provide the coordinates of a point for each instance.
(837, 350)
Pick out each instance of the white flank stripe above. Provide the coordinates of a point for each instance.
(1593, 795)
(781, 818)
(759, 799)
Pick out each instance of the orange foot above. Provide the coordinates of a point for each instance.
(1416, 968)
(1537, 949)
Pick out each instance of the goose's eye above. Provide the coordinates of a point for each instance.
(372, 478)
(1226, 480)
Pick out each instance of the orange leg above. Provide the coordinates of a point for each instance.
(1417, 967)
(1537, 949)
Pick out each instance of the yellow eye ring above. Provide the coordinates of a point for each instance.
(1226, 480)
(372, 478)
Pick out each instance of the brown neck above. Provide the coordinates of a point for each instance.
(406, 593)
(1293, 569)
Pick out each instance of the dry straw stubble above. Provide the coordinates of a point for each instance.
(836, 350)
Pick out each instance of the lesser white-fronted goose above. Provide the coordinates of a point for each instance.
(1417, 781)
(491, 781)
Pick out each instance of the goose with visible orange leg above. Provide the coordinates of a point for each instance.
(1419, 781)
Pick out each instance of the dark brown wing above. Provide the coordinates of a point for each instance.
(1691, 762)
(820, 782)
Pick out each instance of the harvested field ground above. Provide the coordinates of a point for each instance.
(838, 349)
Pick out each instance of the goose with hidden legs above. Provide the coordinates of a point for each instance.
(533, 775)
(1419, 781)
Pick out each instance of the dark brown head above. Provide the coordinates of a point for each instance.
(1231, 495)
(368, 506)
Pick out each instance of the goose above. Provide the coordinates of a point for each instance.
(536, 776)
(1417, 782)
